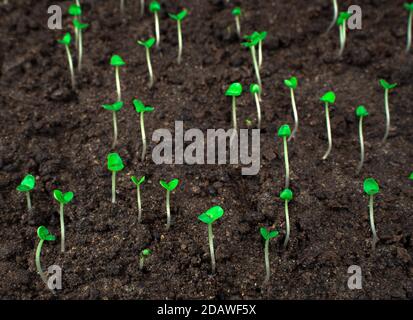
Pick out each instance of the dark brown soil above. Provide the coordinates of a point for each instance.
(63, 138)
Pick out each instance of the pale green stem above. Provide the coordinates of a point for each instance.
(113, 186)
(409, 31)
(267, 261)
(76, 37)
(373, 228)
(29, 203)
(335, 16)
(234, 113)
(361, 145)
(115, 130)
(256, 68)
(38, 265)
(168, 210)
(138, 198)
(118, 84)
(295, 115)
(143, 137)
(287, 224)
(179, 42)
(142, 7)
(387, 110)
(148, 60)
(157, 33)
(122, 6)
(257, 102)
(211, 247)
(238, 26)
(342, 31)
(330, 139)
(62, 229)
(260, 54)
(141, 261)
(72, 72)
(77, 3)
(79, 62)
(287, 165)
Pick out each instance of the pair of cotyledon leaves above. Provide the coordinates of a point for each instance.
(27, 184)
(284, 131)
(254, 39)
(171, 185)
(211, 215)
(370, 186)
(63, 198)
(267, 235)
(139, 106)
(44, 234)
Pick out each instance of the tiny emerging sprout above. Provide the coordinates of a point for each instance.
(148, 44)
(67, 38)
(114, 108)
(115, 164)
(292, 84)
(138, 183)
(116, 61)
(141, 109)
(79, 26)
(236, 12)
(26, 185)
(251, 43)
(178, 18)
(208, 217)
(44, 235)
(267, 235)
(371, 187)
(287, 196)
(62, 198)
(387, 87)
(155, 7)
(248, 122)
(284, 132)
(409, 8)
(335, 15)
(234, 91)
(169, 187)
(256, 90)
(361, 112)
(328, 99)
(342, 22)
(144, 254)
(76, 12)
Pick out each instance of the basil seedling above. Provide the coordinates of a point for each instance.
(79, 26)
(67, 38)
(114, 108)
(62, 198)
(144, 254)
(169, 187)
(236, 12)
(44, 235)
(256, 91)
(141, 109)
(342, 22)
(284, 132)
(361, 112)
(148, 45)
(267, 235)
(328, 99)
(26, 185)
(155, 7)
(234, 91)
(287, 196)
(387, 87)
(371, 188)
(251, 43)
(117, 62)
(178, 18)
(138, 183)
(292, 85)
(115, 164)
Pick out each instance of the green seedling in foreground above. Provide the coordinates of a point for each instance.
(76, 12)
(342, 23)
(267, 235)
(114, 108)
(141, 109)
(138, 183)
(117, 62)
(284, 132)
(287, 196)
(234, 91)
(256, 91)
(178, 18)
(169, 187)
(67, 38)
(155, 7)
(371, 188)
(144, 254)
(335, 15)
(44, 235)
(329, 98)
(387, 87)
(236, 12)
(79, 26)
(208, 217)
(26, 185)
(148, 45)
(361, 112)
(251, 43)
(62, 198)
(115, 164)
(409, 8)
(292, 84)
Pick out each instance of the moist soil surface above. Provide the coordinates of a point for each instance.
(63, 137)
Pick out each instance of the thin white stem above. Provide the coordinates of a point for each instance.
(260, 54)
(342, 31)
(143, 136)
(256, 68)
(38, 264)
(76, 37)
(118, 89)
(211, 247)
(335, 15)
(157, 33)
(141, 261)
(371, 214)
(72, 72)
(122, 6)
(409, 32)
(287, 165)
(179, 42)
(361, 145)
(142, 7)
(295, 115)
(29, 203)
(113, 186)
(115, 130)
(330, 139)
(62, 229)
(168, 210)
(287, 224)
(148, 60)
(234, 113)
(257, 102)
(387, 110)
(267, 261)
(80, 52)
(238, 26)
(138, 198)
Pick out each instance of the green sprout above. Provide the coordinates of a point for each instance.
(371, 187)
(114, 108)
(155, 7)
(44, 235)
(76, 12)
(144, 254)
(284, 132)
(258, 37)
(268, 235)
(409, 8)
(286, 195)
(411, 176)
(148, 44)
(328, 98)
(342, 22)
(256, 90)
(292, 84)
(361, 112)
(387, 87)
(169, 187)
(335, 15)
(251, 43)
(138, 183)
(248, 122)
(116, 61)
(67, 38)
(141, 109)
(234, 91)
(178, 18)
(79, 26)
(236, 12)
(115, 164)
(26, 185)
(209, 217)
(62, 198)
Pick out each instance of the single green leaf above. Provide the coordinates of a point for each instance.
(171, 185)
(115, 162)
(211, 215)
(116, 61)
(234, 90)
(274, 234)
(67, 38)
(291, 83)
(75, 10)
(286, 195)
(140, 107)
(79, 25)
(264, 233)
(408, 6)
(146, 252)
(361, 111)
(262, 35)
(44, 234)
(63, 198)
(154, 6)
(148, 43)
(343, 17)
(329, 97)
(255, 88)
(284, 131)
(113, 107)
(236, 11)
(252, 40)
(371, 187)
(179, 16)
(136, 181)
(411, 176)
(387, 85)
(27, 184)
